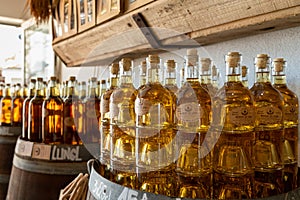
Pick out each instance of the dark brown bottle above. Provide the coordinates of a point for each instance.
(35, 113)
(5, 107)
(71, 114)
(52, 114)
(32, 91)
(17, 106)
(92, 114)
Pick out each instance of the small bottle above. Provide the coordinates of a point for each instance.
(52, 115)
(71, 114)
(105, 137)
(193, 113)
(233, 125)
(215, 74)
(25, 117)
(17, 106)
(154, 109)
(268, 146)
(245, 76)
(92, 114)
(122, 128)
(290, 120)
(170, 76)
(35, 113)
(205, 76)
(5, 107)
(142, 72)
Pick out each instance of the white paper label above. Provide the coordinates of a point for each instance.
(188, 112)
(41, 151)
(142, 106)
(241, 116)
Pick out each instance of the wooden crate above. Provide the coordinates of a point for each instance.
(107, 9)
(86, 14)
(130, 5)
(64, 20)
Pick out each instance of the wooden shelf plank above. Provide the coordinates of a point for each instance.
(177, 21)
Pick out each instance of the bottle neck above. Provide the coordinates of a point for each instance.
(170, 77)
(126, 78)
(154, 73)
(52, 89)
(262, 75)
(113, 81)
(279, 80)
(205, 79)
(233, 72)
(7, 92)
(93, 89)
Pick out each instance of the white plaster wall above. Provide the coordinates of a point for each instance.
(284, 43)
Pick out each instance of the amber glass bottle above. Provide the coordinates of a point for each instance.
(92, 114)
(52, 115)
(71, 114)
(35, 113)
(25, 117)
(5, 106)
(17, 106)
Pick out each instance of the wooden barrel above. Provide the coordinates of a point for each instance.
(40, 171)
(8, 139)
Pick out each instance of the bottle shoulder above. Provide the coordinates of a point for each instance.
(265, 92)
(193, 91)
(154, 91)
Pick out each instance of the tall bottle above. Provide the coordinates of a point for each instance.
(193, 113)
(35, 108)
(52, 115)
(170, 76)
(245, 76)
(154, 109)
(17, 106)
(205, 76)
(290, 120)
(92, 114)
(122, 128)
(71, 114)
(105, 137)
(25, 118)
(268, 146)
(233, 128)
(5, 107)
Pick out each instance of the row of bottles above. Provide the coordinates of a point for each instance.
(197, 140)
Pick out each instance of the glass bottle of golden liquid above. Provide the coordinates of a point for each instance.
(105, 137)
(245, 76)
(142, 73)
(5, 106)
(25, 117)
(193, 114)
(268, 146)
(35, 108)
(232, 126)
(17, 106)
(154, 109)
(290, 120)
(71, 114)
(92, 114)
(205, 76)
(170, 76)
(52, 115)
(122, 128)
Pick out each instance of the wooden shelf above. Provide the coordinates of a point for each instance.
(177, 22)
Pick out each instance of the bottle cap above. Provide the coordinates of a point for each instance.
(126, 63)
(103, 81)
(244, 71)
(40, 79)
(214, 70)
(278, 64)
(170, 65)
(153, 58)
(233, 58)
(72, 78)
(261, 61)
(192, 52)
(144, 66)
(114, 68)
(205, 64)
(53, 78)
(93, 79)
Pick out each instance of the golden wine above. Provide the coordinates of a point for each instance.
(290, 120)
(35, 113)
(52, 115)
(17, 107)
(232, 128)
(6, 103)
(268, 146)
